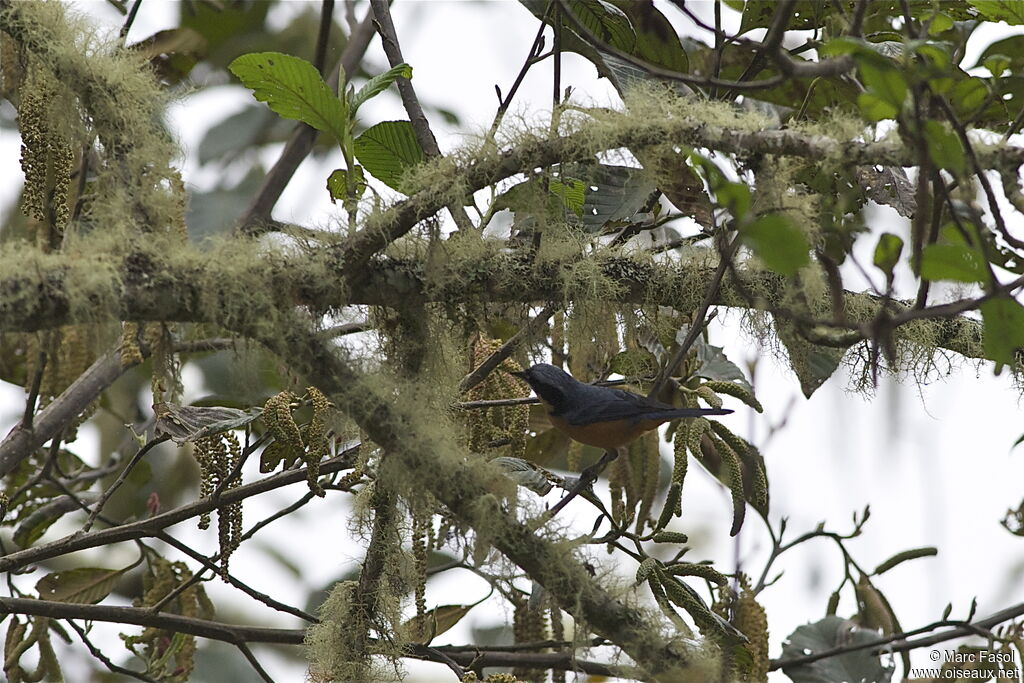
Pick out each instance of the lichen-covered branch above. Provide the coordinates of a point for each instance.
(417, 453)
(241, 634)
(44, 291)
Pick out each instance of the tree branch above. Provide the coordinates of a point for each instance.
(178, 289)
(240, 635)
(525, 333)
(152, 526)
(420, 125)
(20, 442)
(892, 643)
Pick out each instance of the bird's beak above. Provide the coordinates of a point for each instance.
(521, 375)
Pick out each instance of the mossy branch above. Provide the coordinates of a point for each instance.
(428, 457)
(41, 291)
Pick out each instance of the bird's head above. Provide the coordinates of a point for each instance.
(551, 384)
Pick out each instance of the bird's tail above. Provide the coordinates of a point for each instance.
(685, 412)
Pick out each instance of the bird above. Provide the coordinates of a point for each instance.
(598, 416)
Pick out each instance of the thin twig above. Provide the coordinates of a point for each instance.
(323, 35)
(54, 418)
(235, 634)
(139, 455)
(98, 654)
(891, 643)
(699, 319)
(244, 649)
(420, 126)
(37, 382)
(587, 477)
(531, 59)
(152, 526)
(525, 333)
(130, 19)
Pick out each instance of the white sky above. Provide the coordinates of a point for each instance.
(934, 462)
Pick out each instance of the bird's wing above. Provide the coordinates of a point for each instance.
(604, 404)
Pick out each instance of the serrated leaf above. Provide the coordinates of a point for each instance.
(378, 84)
(188, 423)
(812, 364)
(388, 150)
(613, 193)
(775, 240)
(952, 262)
(713, 364)
(293, 88)
(606, 22)
(572, 192)
(656, 39)
(1010, 11)
(85, 585)
(831, 632)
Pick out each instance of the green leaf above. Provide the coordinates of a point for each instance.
(997, 64)
(614, 193)
(887, 252)
(713, 364)
(1010, 11)
(388, 150)
(777, 242)
(952, 262)
(875, 108)
(85, 585)
(829, 633)
(31, 527)
(605, 22)
(807, 14)
(292, 88)
(1011, 49)
(811, 363)
(1004, 328)
(941, 23)
(572, 192)
(944, 147)
(656, 39)
(337, 183)
(254, 125)
(733, 196)
(884, 81)
(968, 95)
(378, 84)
